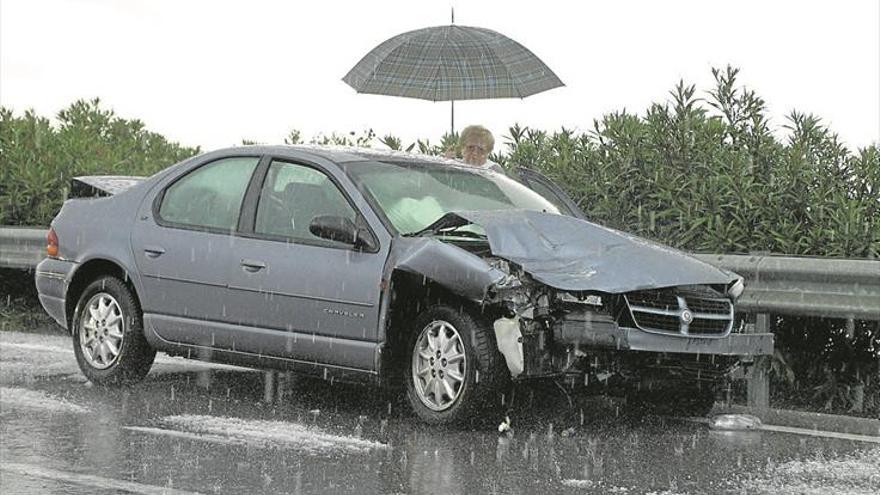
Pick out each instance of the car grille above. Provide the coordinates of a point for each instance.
(691, 311)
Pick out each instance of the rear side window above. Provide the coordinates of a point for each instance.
(211, 195)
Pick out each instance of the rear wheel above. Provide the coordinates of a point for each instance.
(454, 372)
(108, 336)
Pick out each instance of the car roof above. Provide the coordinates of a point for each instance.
(348, 154)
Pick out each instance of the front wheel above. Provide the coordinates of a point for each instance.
(455, 372)
(108, 334)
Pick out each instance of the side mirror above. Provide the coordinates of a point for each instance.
(341, 229)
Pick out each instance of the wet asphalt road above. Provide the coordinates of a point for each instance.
(194, 428)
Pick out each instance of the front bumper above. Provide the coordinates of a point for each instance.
(610, 336)
(735, 344)
(52, 278)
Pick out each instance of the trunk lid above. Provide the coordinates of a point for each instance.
(96, 186)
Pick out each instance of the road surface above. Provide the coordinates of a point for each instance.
(197, 428)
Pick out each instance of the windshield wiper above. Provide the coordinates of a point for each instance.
(447, 225)
(451, 232)
(446, 222)
(454, 232)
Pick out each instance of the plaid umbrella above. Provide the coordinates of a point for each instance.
(448, 63)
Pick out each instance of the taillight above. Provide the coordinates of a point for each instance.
(52, 243)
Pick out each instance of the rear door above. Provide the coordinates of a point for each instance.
(550, 191)
(183, 247)
(296, 295)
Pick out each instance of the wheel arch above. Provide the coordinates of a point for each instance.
(410, 294)
(87, 273)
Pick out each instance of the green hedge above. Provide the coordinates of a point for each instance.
(38, 158)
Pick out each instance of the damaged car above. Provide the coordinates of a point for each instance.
(391, 268)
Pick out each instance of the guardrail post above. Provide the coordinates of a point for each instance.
(757, 378)
(269, 379)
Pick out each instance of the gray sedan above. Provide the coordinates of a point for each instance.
(396, 269)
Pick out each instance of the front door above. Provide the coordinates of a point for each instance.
(300, 296)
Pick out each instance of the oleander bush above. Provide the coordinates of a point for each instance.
(38, 157)
(704, 172)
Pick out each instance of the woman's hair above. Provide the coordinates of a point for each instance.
(478, 132)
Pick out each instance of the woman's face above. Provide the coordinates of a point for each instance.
(475, 152)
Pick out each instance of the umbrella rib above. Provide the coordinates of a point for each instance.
(377, 64)
(504, 65)
(401, 39)
(440, 66)
(535, 57)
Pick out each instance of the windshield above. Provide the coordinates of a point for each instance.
(414, 196)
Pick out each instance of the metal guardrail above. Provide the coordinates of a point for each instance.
(808, 286)
(805, 286)
(22, 247)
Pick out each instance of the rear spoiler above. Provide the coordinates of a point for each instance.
(96, 186)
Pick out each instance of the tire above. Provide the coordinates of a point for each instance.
(108, 318)
(469, 364)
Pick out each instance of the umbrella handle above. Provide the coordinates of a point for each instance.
(452, 102)
(451, 117)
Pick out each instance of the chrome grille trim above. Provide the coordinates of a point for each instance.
(682, 327)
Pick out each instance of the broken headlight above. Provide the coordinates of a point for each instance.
(736, 289)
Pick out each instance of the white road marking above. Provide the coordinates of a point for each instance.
(259, 433)
(35, 471)
(163, 359)
(36, 347)
(31, 399)
(820, 433)
(184, 434)
(578, 483)
(798, 431)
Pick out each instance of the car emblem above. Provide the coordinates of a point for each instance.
(687, 317)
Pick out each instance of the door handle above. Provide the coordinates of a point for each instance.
(252, 265)
(154, 251)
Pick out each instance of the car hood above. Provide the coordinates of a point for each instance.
(575, 255)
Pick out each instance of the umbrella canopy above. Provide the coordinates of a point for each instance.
(448, 63)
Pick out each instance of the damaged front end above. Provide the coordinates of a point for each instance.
(575, 299)
(549, 332)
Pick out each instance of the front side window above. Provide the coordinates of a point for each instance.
(413, 196)
(210, 196)
(293, 196)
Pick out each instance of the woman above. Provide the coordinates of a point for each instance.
(476, 142)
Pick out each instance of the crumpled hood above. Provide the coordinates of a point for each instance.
(575, 255)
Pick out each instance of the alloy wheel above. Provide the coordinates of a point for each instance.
(439, 365)
(101, 330)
